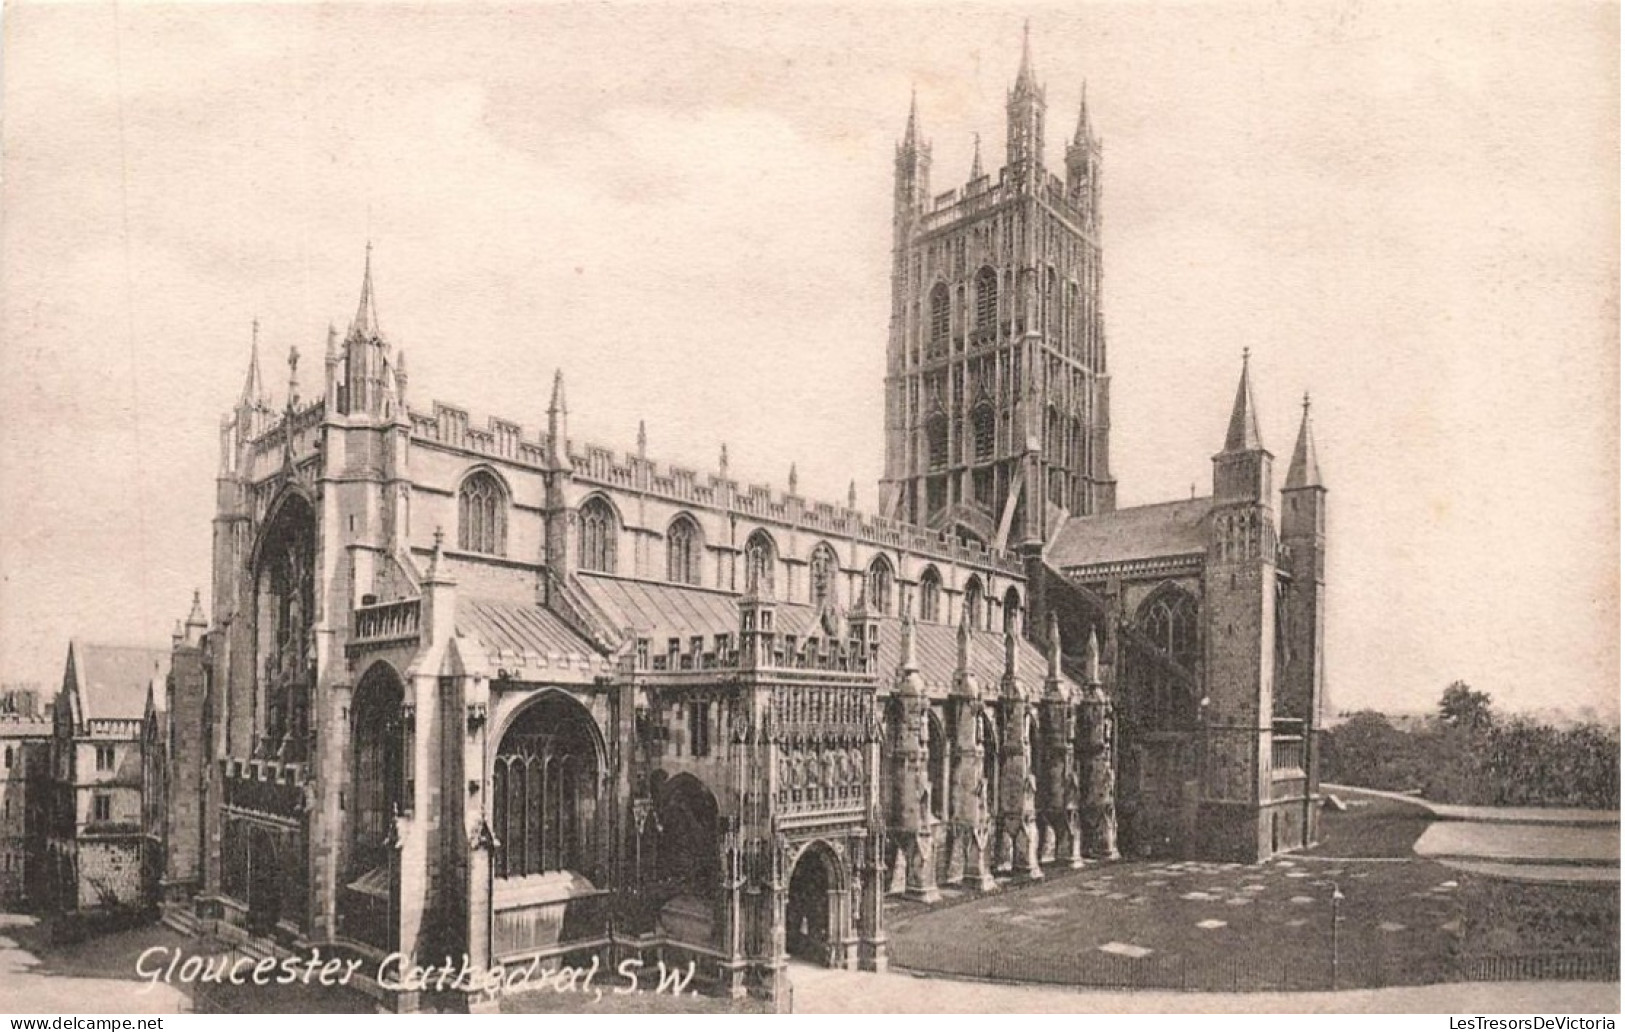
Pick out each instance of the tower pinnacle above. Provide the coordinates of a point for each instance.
(1304, 471)
(1243, 434)
(365, 325)
(1025, 80)
(253, 387)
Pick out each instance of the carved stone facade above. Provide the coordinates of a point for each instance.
(501, 692)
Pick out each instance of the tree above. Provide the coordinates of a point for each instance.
(1461, 707)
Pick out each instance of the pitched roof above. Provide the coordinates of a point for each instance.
(112, 680)
(1305, 468)
(1243, 432)
(660, 612)
(936, 648)
(517, 633)
(1141, 532)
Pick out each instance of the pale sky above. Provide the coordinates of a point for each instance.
(1409, 210)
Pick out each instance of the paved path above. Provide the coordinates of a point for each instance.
(30, 985)
(1487, 814)
(821, 991)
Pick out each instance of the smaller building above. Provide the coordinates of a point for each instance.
(96, 845)
(25, 750)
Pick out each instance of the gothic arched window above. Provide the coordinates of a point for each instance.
(930, 595)
(683, 545)
(936, 440)
(598, 530)
(877, 587)
(822, 571)
(982, 430)
(987, 299)
(482, 515)
(974, 604)
(937, 341)
(1012, 612)
(761, 556)
(544, 791)
(1168, 623)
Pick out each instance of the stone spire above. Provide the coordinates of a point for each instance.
(643, 440)
(1243, 434)
(196, 622)
(722, 461)
(965, 682)
(253, 396)
(909, 681)
(365, 326)
(1012, 668)
(1085, 133)
(293, 376)
(911, 132)
(1304, 470)
(851, 494)
(1091, 661)
(1026, 81)
(976, 158)
(558, 424)
(792, 478)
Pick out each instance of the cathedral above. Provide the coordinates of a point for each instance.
(469, 688)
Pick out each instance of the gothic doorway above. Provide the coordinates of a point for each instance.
(686, 874)
(379, 754)
(264, 883)
(812, 912)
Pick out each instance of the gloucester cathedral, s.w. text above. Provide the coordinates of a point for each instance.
(475, 688)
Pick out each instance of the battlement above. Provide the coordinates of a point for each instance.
(503, 439)
(983, 193)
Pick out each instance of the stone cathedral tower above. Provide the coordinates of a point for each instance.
(997, 394)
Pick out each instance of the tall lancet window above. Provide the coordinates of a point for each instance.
(761, 556)
(987, 299)
(930, 595)
(683, 551)
(877, 587)
(598, 530)
(482, 516)
(940, 320)
(822, 571)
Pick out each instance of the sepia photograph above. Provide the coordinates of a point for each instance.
(809, 508)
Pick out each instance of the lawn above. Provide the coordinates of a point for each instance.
(1400, 919)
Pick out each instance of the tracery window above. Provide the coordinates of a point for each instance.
(974, 605)
(1168, 622)
(482, 517)
(930, 595)
(822, 571)
(285, 616)
(877, 588)
(987, 299)
(761, 556)
(936, 439)
(937, 340)
(683, 546)
(544, 791)
(1012, 612)
(982, 425)
(598, 531)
